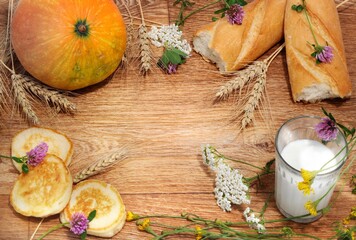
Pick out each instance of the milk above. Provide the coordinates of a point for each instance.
(309, 155)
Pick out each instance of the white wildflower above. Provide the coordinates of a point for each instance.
(169, 36)
(229, 187)
(253, 221)
(209, 157)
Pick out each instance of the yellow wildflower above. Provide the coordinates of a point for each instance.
(144, 224)
(131, 216)
(305, 187)
(346, 221)
(308, 176)
(199, 233)
(353, 213)
(311, 207)
(308, 179)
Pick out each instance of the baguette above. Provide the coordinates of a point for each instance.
(232, 47)
(311, 82)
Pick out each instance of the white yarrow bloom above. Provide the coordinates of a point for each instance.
(169, 36)
(253, 221)
(229, 187)
(209, 157)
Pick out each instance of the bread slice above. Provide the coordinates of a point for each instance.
(44, 191)
(58, 143)
(96, 195)
(232, 47)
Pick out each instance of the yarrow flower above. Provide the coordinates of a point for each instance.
(169, 36)
(327, 129)
(253, 221)
(78, 223)
(229, 187)
(235, 14)
(36, 155)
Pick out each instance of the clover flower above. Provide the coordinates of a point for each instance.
(253, 221)
(169, 36)
(36, 155)
(171, 68)
(229, 187)
(308, 179)
(79, 223)
(326, 129)
(324, 54)
(235, 14)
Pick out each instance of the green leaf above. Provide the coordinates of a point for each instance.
(220, 10)
(268, 165)
(214, 19)
(24, 168)
(164, 59)
(181, 53)
(173, 57)
(92, 215)
(241, 2)
(299, 8)
(18, 160)
(83, 235)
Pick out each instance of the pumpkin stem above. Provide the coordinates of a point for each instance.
(81, 28)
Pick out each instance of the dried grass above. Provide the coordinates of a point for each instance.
(145, 51)
(100, 165)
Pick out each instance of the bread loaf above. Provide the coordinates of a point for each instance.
(309, 81)
(232, 47)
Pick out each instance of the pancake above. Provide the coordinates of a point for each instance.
(44, 191)
(96, 195)
(58, 143)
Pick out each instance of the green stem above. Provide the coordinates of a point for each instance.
(254, 178)
(54, 228)
(306, 235)
(310, 25)
(181, 22)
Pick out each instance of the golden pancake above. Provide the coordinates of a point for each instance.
(96, 195)
(45, 190)
(58, 143)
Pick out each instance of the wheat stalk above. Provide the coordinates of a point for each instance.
(51, 97)
(100, 165)
(21, 99)
(242, 78)
(255, 97)
(145, 51)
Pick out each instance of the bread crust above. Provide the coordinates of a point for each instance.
(232, 47)
(310, 81)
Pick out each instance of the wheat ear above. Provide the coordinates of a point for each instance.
(242, 78)
(21, 99)
(255, 97)
(145, 51)
(100, 165)
(51, 97)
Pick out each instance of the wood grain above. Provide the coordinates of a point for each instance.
(163, 120)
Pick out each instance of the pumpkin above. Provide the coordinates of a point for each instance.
(68, 44)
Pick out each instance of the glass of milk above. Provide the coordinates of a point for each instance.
(298, 146)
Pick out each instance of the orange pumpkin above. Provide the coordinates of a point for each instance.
(68, 44)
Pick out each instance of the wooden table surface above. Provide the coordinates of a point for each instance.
(163, 120)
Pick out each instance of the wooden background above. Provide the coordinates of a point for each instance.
(164, 120)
